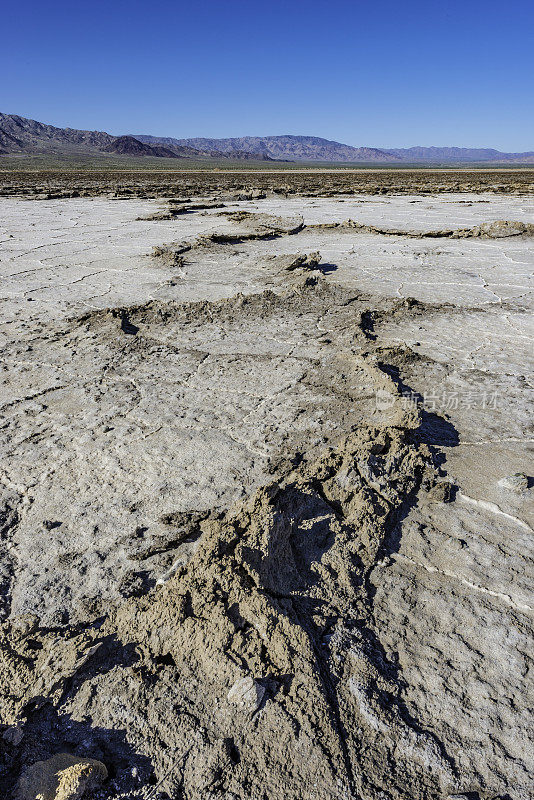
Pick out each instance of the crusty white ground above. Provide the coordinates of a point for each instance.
(453, 602)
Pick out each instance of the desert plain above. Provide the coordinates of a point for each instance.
(266, 498)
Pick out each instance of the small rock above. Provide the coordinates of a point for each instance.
(247, 694)
(517, 482)
(62, 777)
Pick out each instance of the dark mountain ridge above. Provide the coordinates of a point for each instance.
(128, 146)
(22, 136)
(19, 136)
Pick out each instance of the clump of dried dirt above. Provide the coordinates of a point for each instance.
(249, 226)
(500, 229)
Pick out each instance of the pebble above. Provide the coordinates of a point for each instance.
(62, 777)
(247, 694)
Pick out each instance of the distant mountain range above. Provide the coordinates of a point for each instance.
(312, 148)
(282, 148)
(21, 136)
(450, 155)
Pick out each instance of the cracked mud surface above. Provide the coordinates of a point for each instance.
(255, 540)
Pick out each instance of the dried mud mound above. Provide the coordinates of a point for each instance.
(151, 411)
(500, 229)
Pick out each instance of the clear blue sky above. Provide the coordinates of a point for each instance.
(379, 73)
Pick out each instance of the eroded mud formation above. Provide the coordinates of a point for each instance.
(205, 583)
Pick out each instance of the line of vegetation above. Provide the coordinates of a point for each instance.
(104, 163)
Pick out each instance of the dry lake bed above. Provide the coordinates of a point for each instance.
(266, 494)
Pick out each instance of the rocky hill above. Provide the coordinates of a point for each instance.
(206, 148)
(20, 136)
(128, 146)
(291, 148)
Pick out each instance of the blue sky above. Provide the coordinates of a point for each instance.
(380, 73)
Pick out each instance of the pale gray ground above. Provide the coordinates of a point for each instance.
(111, 423)
(405, 212)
